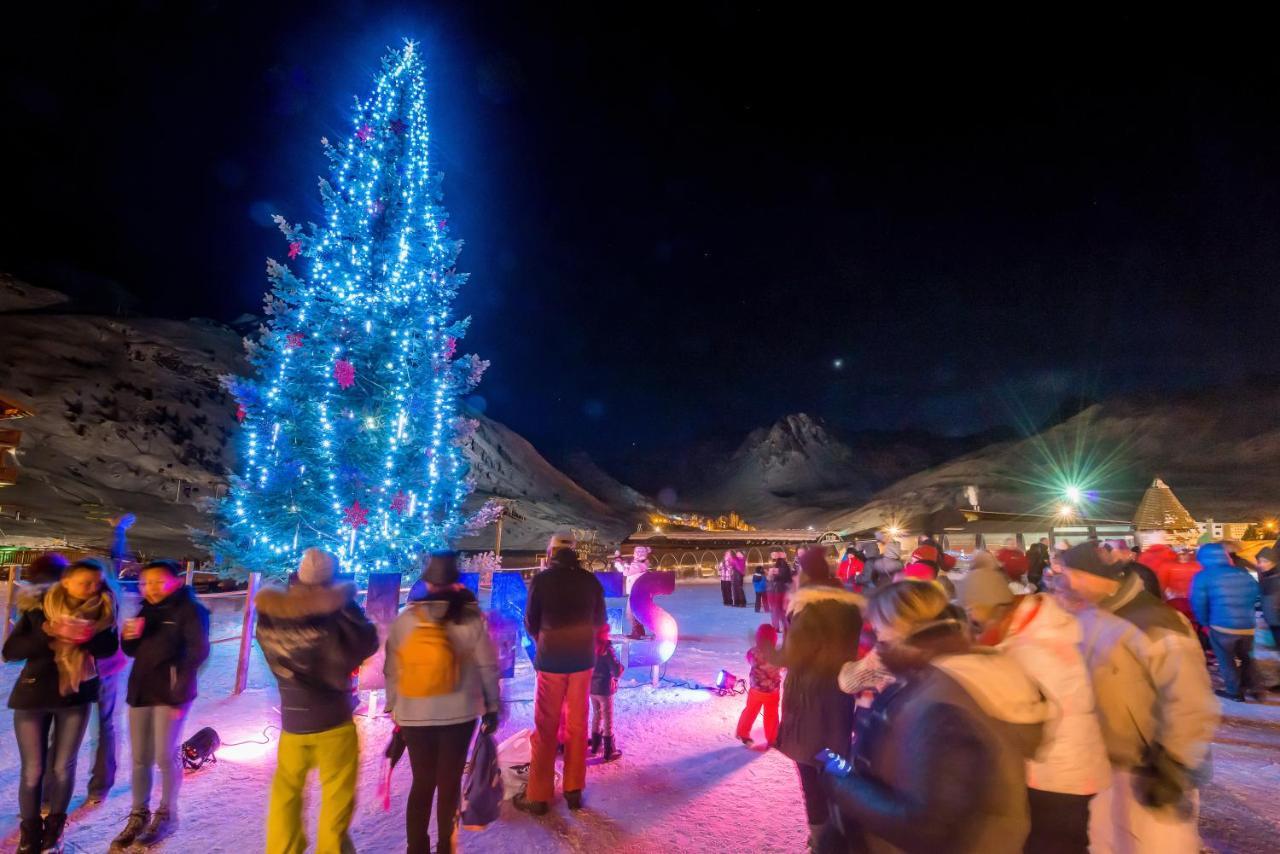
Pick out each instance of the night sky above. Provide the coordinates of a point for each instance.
(685, 222)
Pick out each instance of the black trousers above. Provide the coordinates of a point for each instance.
(739, 595)
(726, 591)
(816, 802)
(437, 755)
(759, 600)
(1235, 661)
(1059, 823)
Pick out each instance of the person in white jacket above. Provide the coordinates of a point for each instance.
(1071, 765)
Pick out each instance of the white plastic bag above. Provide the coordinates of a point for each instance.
(514, 755)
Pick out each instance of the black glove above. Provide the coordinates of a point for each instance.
(489, 723)
(1161, 781)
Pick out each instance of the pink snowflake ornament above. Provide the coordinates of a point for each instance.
(450, 347)
(399, 502)
(345, 373)
(294, 340)
(355, 516)
(364, 133)
(241, 412)
(294, 248)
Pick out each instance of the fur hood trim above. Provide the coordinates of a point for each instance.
(304, 601)
(31, 596)
(814, 593)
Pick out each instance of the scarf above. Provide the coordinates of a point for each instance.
(74, 664)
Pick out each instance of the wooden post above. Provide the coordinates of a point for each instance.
(246, 633)
(497, 548)
(10, 590)
(191, 571)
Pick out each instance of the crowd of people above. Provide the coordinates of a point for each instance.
(1047, 700)
(1052, 700)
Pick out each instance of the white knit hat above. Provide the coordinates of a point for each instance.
(317, 567)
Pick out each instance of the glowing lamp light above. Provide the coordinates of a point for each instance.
(725, 681)
(1066, 511)
(1074, 494)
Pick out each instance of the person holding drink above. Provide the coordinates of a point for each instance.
(168, 641)
(67, 621)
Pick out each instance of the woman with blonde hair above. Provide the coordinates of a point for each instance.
(941, 764)
(65, 625)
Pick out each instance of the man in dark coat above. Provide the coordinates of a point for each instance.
(313, 635)
(564, 612)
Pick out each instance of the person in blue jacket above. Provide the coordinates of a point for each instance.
(1224, 598)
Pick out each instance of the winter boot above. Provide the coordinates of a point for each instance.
(137, 822)
(53, 826)
(574, 799)
(595, 743)
(521, 802)
(30, 837)
(610, 753)
(162, 826)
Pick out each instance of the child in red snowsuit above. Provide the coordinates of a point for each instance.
(766, 680)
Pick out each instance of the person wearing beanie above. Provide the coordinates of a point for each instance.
(442, 678)
(1071, 765)
(1154, 703)
(824, 626)
(66, 624)
(313, 634)
(564, 614)
(168, 641)
(1224, 598)
(1269, 583)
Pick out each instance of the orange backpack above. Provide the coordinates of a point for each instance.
(428, 665)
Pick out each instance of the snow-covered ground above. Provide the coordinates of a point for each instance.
(683, 784)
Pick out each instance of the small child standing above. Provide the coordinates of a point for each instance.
(759, 583)
(766, 679)
(604, 684)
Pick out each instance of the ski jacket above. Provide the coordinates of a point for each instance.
(1176, 578)
(942, 766)
(313, 637)
(174, 643)
(1149, 679)
(564, 611)
(604, 676)
(1045, 640)
(759, 582)
(37, 685)
(1223, 595)
(1269, 582)
(468, 633)
(850, 568)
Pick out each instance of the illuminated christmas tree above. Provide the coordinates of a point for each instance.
(351, 436)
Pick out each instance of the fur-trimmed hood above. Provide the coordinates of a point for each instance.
(304, 601)
(31, 596)
(813, 593)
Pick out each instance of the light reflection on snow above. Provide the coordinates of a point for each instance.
(248, 753)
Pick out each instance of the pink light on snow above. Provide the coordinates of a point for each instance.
(249, 753)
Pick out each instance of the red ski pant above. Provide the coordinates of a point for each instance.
(557, 692)
(755, 701)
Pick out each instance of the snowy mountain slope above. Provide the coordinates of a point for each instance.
(1218, 450)
(798, 472)
(130, 416)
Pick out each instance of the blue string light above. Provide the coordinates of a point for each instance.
(352, 439)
